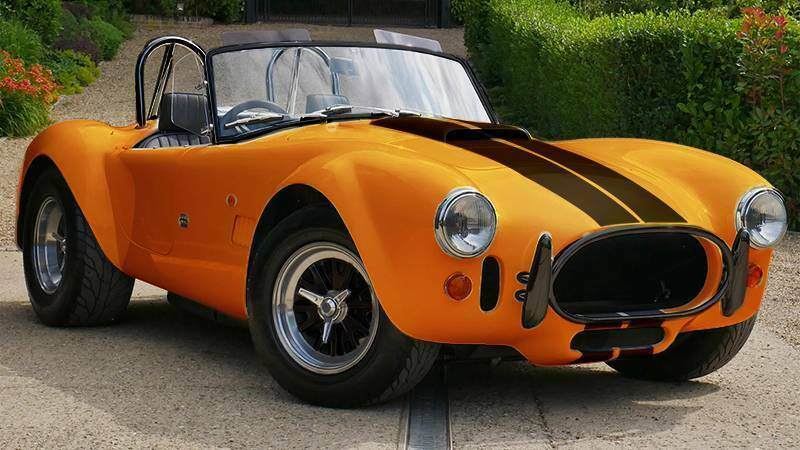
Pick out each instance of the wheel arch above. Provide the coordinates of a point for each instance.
(289, 199)
(37, 167)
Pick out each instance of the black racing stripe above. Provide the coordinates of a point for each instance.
(646, 205)
(604, 210)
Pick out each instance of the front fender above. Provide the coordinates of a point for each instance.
(80, 149)
(388, 201)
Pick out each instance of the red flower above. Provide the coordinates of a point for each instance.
(784, 48)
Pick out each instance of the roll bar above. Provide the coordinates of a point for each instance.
(142, 114)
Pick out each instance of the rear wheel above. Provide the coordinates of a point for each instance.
(317, 323)
(69, 279)
(693, 355)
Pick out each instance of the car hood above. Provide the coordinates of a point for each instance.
(589, 183)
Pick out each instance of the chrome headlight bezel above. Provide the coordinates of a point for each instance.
(441, 215)
(743, 207)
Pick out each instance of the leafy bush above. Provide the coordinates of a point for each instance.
(41, 16)
(678, 76)
(106, 36)
(112, 11)
(458, 10)
(25, 96)
(77, 9)
(75, 37)
(227, 11)
(72, 70)
(220, 10)
(20, 41)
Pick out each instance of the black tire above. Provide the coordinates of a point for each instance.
(394, 363)
(91, 291)
(695, 354)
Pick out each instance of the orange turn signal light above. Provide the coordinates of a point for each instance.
(754, 275)
(458, 286)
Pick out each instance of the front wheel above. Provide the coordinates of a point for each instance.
(693, 355)
(69, 279)
(317, 323)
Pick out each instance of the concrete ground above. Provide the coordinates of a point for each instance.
(162, 379)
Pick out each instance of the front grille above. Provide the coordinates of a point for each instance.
(631, 273)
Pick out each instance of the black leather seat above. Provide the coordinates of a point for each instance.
(188, 110)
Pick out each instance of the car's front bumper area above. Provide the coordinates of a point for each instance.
(529, 317)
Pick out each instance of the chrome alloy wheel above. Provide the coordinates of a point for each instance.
(324, 309)
(49, 245)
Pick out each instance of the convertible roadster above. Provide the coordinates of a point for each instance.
(362, 208)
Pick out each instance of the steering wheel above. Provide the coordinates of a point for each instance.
(233, 113)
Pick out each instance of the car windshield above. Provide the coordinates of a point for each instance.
(259, 88)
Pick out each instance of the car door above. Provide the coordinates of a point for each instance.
(153, 166)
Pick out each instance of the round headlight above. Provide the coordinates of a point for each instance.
(465, 223)
(762, 213)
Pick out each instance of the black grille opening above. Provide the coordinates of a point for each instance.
(490, 284)
(628, 338)
(632, 273)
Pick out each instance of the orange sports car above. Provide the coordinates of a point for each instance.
(362, 208)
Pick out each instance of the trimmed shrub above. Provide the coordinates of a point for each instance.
(72, 70)
(105, 36)
(227, 11)
(688, 77)
(458, 10)
(20, 41)
(730, 8)
(41, 16)
(25, 96)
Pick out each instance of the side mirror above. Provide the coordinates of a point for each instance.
(343, 66)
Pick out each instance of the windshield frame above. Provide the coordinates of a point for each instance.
(212, 100)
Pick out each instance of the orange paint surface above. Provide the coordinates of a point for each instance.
(386, 185)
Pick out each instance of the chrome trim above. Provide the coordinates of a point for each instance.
(568, 252)
(441, 214)
(331, 307)
(744, 204)
(49, 245)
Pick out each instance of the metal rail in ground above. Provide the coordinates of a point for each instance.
(426, 418)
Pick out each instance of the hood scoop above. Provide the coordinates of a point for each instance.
(443, 130)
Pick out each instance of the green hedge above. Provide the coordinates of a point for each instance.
(730, 8)
(675, 76)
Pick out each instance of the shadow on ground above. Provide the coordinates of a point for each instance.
(162, 373)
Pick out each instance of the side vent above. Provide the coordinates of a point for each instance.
(490, 284)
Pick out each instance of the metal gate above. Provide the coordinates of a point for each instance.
(415, 13)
